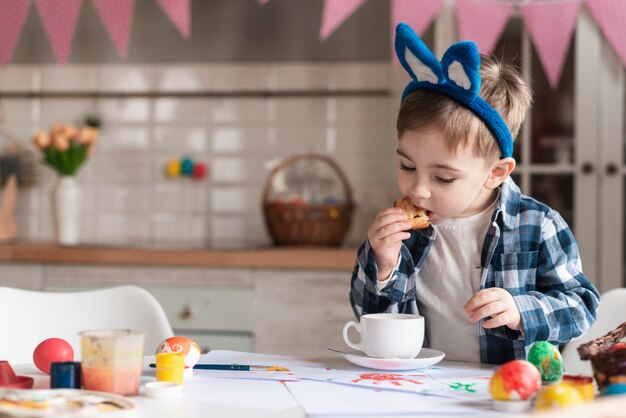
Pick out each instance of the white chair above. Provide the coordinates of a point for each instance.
(611, 313)
(29, 317)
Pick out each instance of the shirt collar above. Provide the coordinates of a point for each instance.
(508, 206)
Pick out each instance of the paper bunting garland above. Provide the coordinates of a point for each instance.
(482, 21)
(117, 17)
(179, 13)
(59, 19)
(12, 16)
(335, 13)
(551, 26)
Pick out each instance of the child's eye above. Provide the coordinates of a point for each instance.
(443, 181)
(406, 168)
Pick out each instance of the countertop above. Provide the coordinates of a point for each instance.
(300, 258)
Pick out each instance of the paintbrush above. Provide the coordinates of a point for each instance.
(238, 367)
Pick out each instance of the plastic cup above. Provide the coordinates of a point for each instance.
(112, 360)
(170, 367)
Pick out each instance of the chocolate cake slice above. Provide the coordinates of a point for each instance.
(608, 357)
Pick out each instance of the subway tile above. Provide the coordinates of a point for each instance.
(118, 110)
(20, 111)
(237, 170)
(124, 138)
(235, 199)
(182, 140)
(237, 110)
(300, 139)
(298, 111)
(69, 78)
(178, 110)
(116, 229)
(241, 77)
(126, 169)
(366, 140)
(123, 199)
(363, 76)
(365, 110)
(301, 76)
(239, 140)
(190, 78)
(173, 229)
(20, 78)
(181, 197)
(125, 78)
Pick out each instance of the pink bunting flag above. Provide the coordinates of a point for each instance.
(117, 17)
(12, 17)
(335, 13)
(482, 21)
(178, 12)
(263, 2)
(611, 17)
(551, 26)
(418, 14)
(59, 19)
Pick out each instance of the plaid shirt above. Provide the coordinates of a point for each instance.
(529, 251)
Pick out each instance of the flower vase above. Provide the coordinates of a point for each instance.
(67, 206)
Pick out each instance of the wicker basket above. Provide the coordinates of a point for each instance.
(306, 224)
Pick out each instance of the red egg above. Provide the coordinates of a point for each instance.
(50, 350)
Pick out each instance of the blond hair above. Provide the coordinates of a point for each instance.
(501, 87)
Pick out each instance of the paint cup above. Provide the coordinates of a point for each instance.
(65, 375)
(112, 360)
(170, 367)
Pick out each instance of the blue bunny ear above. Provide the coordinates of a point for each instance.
(461, 66)
(415, 56)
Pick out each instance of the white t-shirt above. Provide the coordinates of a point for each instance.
(449, 277)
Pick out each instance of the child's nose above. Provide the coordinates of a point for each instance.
(420, 191)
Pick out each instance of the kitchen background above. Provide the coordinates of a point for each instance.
(252, 86)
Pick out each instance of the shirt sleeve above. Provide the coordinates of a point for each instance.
(398, 296)
(564, 302)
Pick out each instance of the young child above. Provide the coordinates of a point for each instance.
(496, 270)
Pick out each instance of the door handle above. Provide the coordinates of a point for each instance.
(611, 169)
(586, 168)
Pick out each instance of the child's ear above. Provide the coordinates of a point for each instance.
(499, 172)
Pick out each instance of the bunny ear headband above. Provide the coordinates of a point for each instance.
(457, 75)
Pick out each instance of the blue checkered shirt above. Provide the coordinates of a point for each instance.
(529, 251)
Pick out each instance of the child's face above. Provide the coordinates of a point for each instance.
(447, 184)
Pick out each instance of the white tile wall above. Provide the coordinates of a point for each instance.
(128, 199)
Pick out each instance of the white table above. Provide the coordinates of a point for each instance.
(185, 408)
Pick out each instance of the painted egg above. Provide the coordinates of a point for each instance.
(186, 166)
(199, 171)
(548, 360)
(172, 169)
(558, 395)
(180, 344)
(584, 385)
(50, 350)
(615, 389)
(514, 381)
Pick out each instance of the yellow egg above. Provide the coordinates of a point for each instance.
(558, 396)
(173, 168)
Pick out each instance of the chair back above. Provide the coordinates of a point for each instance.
(611, 313)
(29, 317)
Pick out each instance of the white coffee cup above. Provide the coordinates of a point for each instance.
(386, 335)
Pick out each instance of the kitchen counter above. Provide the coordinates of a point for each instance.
(310, 258)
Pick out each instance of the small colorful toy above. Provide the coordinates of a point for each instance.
(558, 395)
(186, 167)
(52, 349)
(514, 384)
(548, 360)
(614, 389)
(9, 380)
(180, 344)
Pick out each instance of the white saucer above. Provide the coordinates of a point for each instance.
(426, 358)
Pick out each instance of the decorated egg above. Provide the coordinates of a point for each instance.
(547, 358)
(180, 344)
(199, 171)
(516, 380)
(186, 166)
(172, 169)
(614, 389)
(50, 350)
(584, 385)
(558, 395)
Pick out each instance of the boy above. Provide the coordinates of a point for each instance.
(496, 271)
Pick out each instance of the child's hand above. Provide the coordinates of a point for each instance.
(496, 303)
(385, 237)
